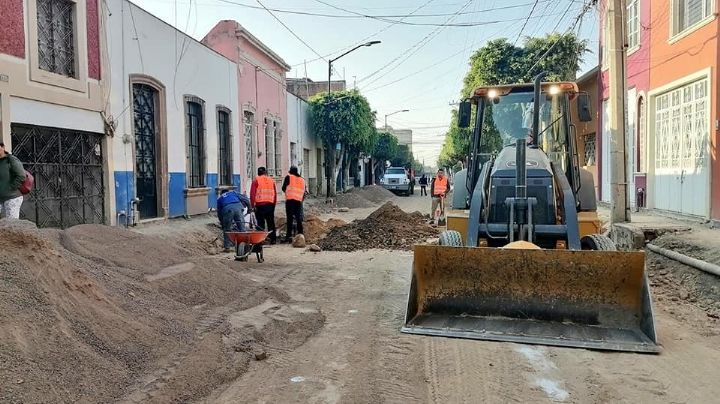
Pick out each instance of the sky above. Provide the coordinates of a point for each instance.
(423, 57)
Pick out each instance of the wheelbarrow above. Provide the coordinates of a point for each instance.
(248, 242)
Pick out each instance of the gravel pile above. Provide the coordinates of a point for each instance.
(389, 227)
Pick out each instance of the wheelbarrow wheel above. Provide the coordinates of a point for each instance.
(240, 252)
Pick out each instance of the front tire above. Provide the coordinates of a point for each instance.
(597, 242)
(450, 238)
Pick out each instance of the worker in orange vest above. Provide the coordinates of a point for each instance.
(294, 188)
(263, 197)
(439, 187)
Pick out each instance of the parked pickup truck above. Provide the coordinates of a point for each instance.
(397, 180)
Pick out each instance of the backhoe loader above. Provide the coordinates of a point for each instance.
(522, 260)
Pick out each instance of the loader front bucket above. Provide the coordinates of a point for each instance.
(584, 299)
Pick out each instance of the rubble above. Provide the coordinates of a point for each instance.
(388, 227)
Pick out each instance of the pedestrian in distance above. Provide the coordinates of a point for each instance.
(439, 188)
(12, 175)
(263, 197)
(294, 188)
(231, 207)
(423, 181)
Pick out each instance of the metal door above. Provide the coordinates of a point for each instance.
(681, 149)
(605, 158)
(631, 108)
(145, 127)
(68, 170)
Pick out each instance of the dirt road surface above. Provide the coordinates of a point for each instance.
(360, 356)
(97, 314)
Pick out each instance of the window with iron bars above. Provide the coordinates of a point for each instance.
(56, 36)
(225, 161)
(270, 146)
(590, 149)
(196, 144)
(278, 148)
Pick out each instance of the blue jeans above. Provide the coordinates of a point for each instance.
(232, 216)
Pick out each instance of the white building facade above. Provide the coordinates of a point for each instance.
(306, 149)
(174, 104)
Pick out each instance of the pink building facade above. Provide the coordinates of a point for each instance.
(637, 65)
(261, 97)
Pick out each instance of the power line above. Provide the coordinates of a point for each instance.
(383, 17)
(532, 10)
(371, 36)
(290, 30)
(413, 49)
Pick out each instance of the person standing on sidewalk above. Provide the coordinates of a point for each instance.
(230, 210)
(12, 175)
(263, 197)
(439, 188)
(294, 188)
(423, 185)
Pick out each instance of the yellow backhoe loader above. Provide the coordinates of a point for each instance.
(522, 260)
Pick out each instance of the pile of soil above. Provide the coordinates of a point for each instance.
(355, 198)
(314, 228)
(93, 312)
(389, 227)
(679, 283)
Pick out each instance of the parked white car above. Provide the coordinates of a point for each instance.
(397, 180)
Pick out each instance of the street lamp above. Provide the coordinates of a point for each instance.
(396, 112)
(330, 62)
(328, 174)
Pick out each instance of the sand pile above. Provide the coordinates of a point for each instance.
(388, 227)
(88, 313)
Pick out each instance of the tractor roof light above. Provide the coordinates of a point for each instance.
(554, 90)
(492, 93)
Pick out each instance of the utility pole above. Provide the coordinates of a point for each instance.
(619, 207)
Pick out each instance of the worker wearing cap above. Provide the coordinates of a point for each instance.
(439, 187)
(12, 175)
(263, 197)
(294, 188)
(230, 209)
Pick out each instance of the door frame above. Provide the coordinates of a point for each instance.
(161, 153)
(651, 138)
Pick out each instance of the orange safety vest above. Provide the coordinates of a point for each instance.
(295, 191)
(441, 185)
(265, 192)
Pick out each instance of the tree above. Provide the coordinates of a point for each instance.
(384, 150)
(500, 62)
(344, 122)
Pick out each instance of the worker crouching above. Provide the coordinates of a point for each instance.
(231, 213)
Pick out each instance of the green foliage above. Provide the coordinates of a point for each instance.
(385, 147)
(500, 62)
(343, 117)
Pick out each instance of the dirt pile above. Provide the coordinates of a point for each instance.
(97, 314)
(675, 282)
(388, 227)
(315, 228)
(355, 198)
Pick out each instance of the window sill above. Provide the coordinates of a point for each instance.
(632, 50)
(689, 30)
(58, 80)
(203, 191)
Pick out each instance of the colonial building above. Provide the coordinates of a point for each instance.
(52, 104)
(261, 96)
(672, 135)
(306, 148)
(174, 103)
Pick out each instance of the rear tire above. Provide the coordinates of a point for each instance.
(451, 238)
(597, 242)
